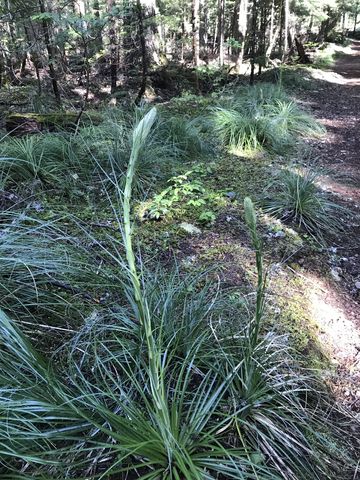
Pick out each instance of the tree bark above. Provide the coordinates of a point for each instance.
(51, 54)
(221, 30)
(286, 30)
(196, 32)
(301, 51)
(144, 57)
(253, 41)
(112, 46)
(242, 29)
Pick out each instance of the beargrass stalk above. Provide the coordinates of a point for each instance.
(250, 219)
(140, 134)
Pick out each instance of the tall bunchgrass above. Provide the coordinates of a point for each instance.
(50, 277)
(173, 140)
(261, 117)
(68, 159)
(297, 198)
(32, 158)
(157, 387)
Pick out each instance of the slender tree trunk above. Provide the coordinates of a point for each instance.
(355, 21)
(11, 47)
(144, 57)
(262, 41)
(206, 26)
(221, 30)
(272, 43)
(215, 38)
(183, 35)
(242, 26)
(286, 30)
(112, 45)
(310, 27)
(195, 32)
(272, 21)
(51, 54)
(253, 40)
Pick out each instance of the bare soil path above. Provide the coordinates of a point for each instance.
(336, 301)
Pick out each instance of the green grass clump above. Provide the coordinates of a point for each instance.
(296, 198)
(290, 77)
(183, 135)
(94, 150)
(32, 158)
(262, 117)
(43, 278)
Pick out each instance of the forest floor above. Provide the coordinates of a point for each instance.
(314, 293)
(335, 302)
(313, 284)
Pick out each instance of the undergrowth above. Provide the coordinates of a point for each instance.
(168, 383)
(261, 117)
(297, 198)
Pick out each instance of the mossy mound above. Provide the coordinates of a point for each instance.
(29, 123)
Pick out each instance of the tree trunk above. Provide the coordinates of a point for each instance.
(253, 41)
(183, 35)
(144, 57)
(286, 30)
(51, 54)
(152, 33)
(221, 30)
(112, 45)
(206, 26)
(262, 39)
(242, 29)
(195, 32)
(301, 51)
(272, 43)
(355, 21)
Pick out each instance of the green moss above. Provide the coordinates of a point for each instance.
(292, 317)
(55, 119)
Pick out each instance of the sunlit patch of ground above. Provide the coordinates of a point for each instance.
(327, 76)
(343, 190)
(336, 316)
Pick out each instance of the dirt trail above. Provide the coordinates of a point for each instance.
(335, 302)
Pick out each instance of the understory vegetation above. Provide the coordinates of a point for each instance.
(114, 365)
(262, 117)
(178, 260)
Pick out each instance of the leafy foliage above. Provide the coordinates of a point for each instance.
(186, 191)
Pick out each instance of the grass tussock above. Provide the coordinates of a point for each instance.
(57, 159)
(297, 198)
(262, 117)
